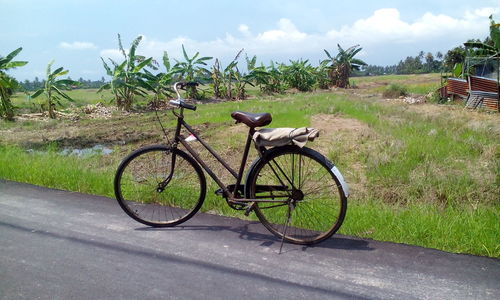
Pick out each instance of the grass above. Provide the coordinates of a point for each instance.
(93, 174)
(425, 175)
(414, 84)
(395, 90)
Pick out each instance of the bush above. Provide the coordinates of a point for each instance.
(395, 91)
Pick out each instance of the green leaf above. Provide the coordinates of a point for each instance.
(133, 48)
(186, 57)
(205, 58)
(13, 54)
(358, 62)
(120, 45)
(142, 64)
(64, 95)
(166, 60)
(37, 93)
(48, 68)
(57, 71)
(106, 86)
(67, 82)
(61, 73)
(108, 70)
(13, 64)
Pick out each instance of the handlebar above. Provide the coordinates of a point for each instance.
(180, 101)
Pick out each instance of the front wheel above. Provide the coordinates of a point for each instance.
(159, 186)
(313, 202)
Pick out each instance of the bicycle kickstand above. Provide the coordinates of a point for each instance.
(289, 216)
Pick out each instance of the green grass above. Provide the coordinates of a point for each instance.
(431, 179)
(91, 175)
(452, 229)
(414, 84)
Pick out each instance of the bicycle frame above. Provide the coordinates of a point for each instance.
(232, 196)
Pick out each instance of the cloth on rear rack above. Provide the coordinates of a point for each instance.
(272, 137)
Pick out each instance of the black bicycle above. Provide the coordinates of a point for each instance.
(296, 193)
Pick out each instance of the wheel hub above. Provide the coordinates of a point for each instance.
(297, 195)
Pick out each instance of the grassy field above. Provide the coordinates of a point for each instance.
(415, 84)
(419, 174)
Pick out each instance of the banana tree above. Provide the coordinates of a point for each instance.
(484, 49)
(53, 88)
(342, 64)
(191, 69)
(275, 81)
(8, 84)
(127, 77)
(160, 84)
(258, 75)
(300, 75)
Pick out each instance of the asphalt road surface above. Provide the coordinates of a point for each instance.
(63, 245)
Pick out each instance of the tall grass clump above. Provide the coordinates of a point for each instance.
(395, 90)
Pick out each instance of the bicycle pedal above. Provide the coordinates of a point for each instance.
(249, 208)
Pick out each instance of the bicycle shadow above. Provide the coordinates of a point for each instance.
(254, 231)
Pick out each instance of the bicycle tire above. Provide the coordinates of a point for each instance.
(322, 209)
(145, 192)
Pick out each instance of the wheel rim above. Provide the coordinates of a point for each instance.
(312, 195)
(154, 194)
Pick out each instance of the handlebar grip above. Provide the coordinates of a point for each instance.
(183, 104)
(188, 106)
(182, 85)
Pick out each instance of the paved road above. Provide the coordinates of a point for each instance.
(63, 245)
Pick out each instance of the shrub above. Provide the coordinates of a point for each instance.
(395, 90)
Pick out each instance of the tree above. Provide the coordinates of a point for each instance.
(160, 83)
(429, 62)
(454, 56)
(8, 84)
(191, 69)
(491, 45)
(54, 87)
(300, 75)
(343, 64)
(126, 77)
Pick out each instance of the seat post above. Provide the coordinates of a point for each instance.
(251, 131)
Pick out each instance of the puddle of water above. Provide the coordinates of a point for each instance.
(97, 149)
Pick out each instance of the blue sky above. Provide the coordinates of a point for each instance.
(76, 33)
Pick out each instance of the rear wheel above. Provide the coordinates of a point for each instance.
(313, 203)
(159, 186)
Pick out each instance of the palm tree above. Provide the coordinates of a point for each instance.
(8, 84)
(127, 78)
(342, 65)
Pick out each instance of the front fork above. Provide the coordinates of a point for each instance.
(163, 184)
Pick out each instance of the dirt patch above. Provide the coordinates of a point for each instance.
(345, 141)
(331, 123)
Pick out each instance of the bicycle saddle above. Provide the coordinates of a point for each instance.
(252, 120)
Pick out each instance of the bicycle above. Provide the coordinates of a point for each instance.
(296, 193)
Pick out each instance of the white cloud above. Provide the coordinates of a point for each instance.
(386, 25)
(77, 45)
(384, 31)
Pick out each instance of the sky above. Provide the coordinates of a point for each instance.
(77, 33)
